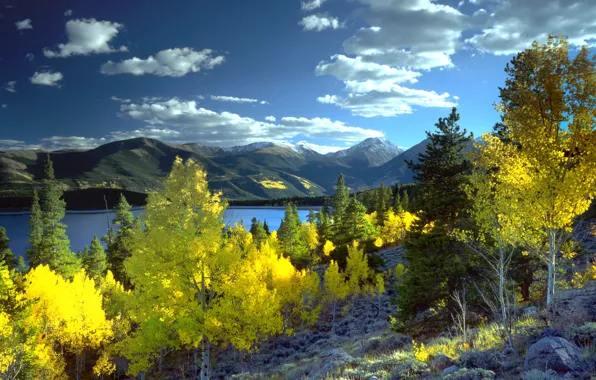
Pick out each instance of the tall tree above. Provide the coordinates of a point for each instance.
(35, 232)
(94, 259)
(266, 227)
(548, 107)
(381, 204)
(7, 257)
(339, 203)
(291, 237)
(258, 232)
(117, 252)
(397, 202)
(355, 226)
(437, 262)
(405, 201)
(324, 224)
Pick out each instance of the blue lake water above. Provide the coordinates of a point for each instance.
(81, 226)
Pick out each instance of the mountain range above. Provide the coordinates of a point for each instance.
(264, 170)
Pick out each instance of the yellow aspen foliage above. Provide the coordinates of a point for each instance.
(548, 108)
(336, 288)
(66, 314)
(194, 283)
(378, 242)
(360, 277)
(397, 226)
(328, 248)
(311, 235)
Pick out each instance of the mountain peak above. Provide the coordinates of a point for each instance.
(374, 151)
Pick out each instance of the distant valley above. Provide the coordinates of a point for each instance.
(256, 171)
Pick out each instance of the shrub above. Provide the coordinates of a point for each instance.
(386, 344)
(489, 359)
(471, 374)
(583, 335)
(539, 375)
(411, 369)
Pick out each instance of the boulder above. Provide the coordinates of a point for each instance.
(553, 353)
(440, 362)
(450, 370)
(329, 362)
(574, 307)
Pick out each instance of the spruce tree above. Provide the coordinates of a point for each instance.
(7, 257)
(381, 204)
(397, 203)
(405, 201)
(324, 225)
(117, 252)
(339, 203)
(266, 227)
(55, 245)
(355, 227)
(437, 263)
(258, 232)
(35, 232)
(94, 259)
(290, 236)
(312, 217)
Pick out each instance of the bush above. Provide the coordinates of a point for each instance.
(489, 359)
(386, 344)
(539, 375)
(411, 369)
(583, 335)
(471, 374)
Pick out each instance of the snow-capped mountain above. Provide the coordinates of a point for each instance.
(374, 151)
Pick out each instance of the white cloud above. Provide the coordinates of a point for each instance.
(71, 142)
(30, 57)
(4, 105)
(87, 36)
(46, 78)
(369, 100)
(117, 99)
(323, 149)
(355, 69)
(320, 22)
(10, 86)
(171, 62)
(6, 145)
(420, 34)
(312, 5)
(514, 25)
(455, 97)
(183, 121)
(24, 24)
(270, 119)
(233, 99)
(68, 13)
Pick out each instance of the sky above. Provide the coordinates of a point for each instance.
(326, 73)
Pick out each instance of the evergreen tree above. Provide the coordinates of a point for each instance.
(355, 226)
(35, 232)
(54, 248)
(367, 200)
(339, 203)
(397, 203)
(117, 251)
(405, 201)
(290, 235)
(94, 259)
(7, 257)
(324, 224)
(312, 217)
(437, 262)
(21, 265)
(266, 228)
(258, 232)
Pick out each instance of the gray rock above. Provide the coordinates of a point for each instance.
(553, 353)
(328, 362)
(574, 307)
(440, 362)
(450, 370)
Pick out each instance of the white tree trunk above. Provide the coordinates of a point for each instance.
(552, 256)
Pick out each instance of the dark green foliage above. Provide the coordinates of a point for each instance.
(382, 203)
(94, 259)
(339, 201)
(397, 206)
(117, 251)
(324, 225)
(437, 263)
(6, 255)
(48, 242)
(266, 228)
(258, 232)
(405, 201)
(354, 226)
(312, 216)
(290, 236)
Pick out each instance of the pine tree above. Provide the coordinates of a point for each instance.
(355, 226)
(312, 217)
(258, 232)
(35, 232)
(7, 257)
(397, 203)
(380, 204)
(55, 245)
(324, 224)
(117, 252)
(437, 262)
(266, 227)
(291, 238)
(94, 259)
(405, 201)
(339, 203)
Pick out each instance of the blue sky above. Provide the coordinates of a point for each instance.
(76, 74)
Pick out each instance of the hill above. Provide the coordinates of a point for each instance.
(252, 172)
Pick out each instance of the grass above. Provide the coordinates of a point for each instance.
(271, 184)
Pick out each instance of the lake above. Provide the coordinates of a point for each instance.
(81, 226)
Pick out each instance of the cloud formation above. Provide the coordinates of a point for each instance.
(312, 5)
(270, 119)
(46, 78)
(71, 142)
(233, 99)
(68, 13)
(171, 62)
(87, 36)
(319, 23)
(10, 86)
(355, 69)
(24, 24)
